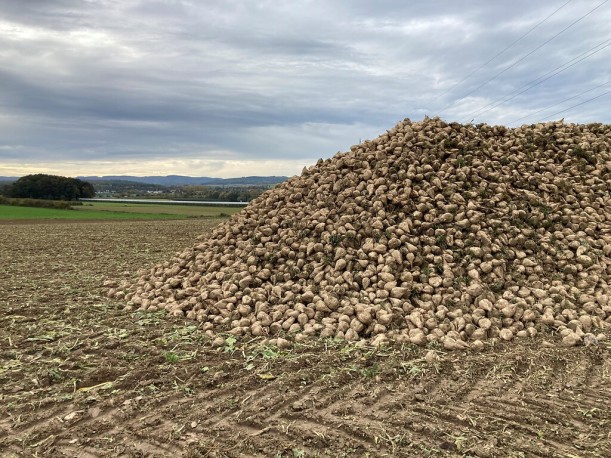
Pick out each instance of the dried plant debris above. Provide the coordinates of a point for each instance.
(433, 232)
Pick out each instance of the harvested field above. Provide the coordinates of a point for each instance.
(81, 377)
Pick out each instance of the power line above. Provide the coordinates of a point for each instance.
(501, 52)
(559, 103)
(528, 54)
(536, 49)
(579, 104)
(541, 79)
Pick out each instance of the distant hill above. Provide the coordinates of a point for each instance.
(180, 180)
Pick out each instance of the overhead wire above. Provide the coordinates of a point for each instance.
(570, 108)
(507, 48)
(527, 54)
(558, 103)
(540, 80)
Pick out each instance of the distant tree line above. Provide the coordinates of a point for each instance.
(5, 188)
(220, 194)
(123, 188)
(50, 187)
(40, 203)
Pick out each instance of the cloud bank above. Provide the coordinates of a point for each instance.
(231, 88)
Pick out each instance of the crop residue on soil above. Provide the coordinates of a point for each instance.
(80, 377)
(432, 232)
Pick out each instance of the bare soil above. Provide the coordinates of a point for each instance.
(80, 377)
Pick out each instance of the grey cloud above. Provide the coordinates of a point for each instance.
(270, 80)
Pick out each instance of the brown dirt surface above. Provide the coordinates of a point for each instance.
(80, 377)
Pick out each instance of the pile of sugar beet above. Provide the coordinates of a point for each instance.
(433, 232)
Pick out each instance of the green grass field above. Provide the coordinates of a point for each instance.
(115, 211)
(160, 209)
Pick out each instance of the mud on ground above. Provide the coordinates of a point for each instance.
(79, 377)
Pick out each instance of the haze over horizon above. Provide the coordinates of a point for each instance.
(231, 89)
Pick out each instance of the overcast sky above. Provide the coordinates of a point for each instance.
(232, 88)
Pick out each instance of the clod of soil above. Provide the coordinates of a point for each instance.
(431, 232)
